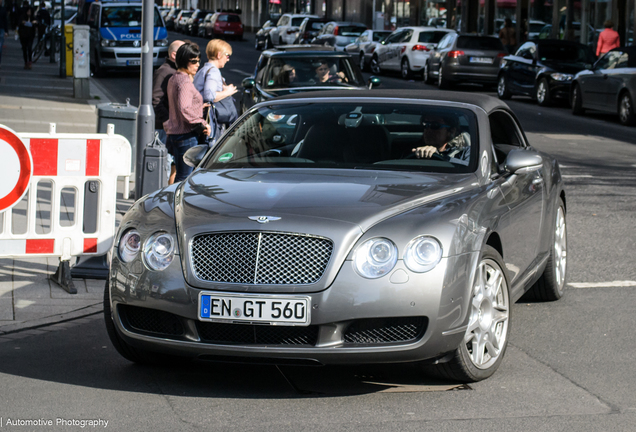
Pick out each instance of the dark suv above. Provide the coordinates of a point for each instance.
(309, 29)
(192, 26)
(543, 69)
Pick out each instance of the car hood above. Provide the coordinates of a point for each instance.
(285, 92)
(337, 204)
(567, 68)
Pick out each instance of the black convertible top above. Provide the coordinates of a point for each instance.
(487, 103)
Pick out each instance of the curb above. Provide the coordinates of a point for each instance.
(74, 315)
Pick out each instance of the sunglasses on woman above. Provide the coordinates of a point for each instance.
(195, 61)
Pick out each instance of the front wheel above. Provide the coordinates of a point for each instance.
(577, 101)
(481, 351)
(626, 110)
(39, 49)
(544, 98)
(375, 66)
(502, 88)
(361, 62)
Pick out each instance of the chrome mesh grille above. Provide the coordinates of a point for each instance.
(260, 258)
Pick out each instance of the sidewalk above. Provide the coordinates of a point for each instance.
(29, 101)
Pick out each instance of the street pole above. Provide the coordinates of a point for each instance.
(62, 45)
(145, 114)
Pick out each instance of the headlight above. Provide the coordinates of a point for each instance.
(161, 42)
(422, 254)
(129, 245)
(375, 258)
(159, 251)
(108, 43)
(561, 76)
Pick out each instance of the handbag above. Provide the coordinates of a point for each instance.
(225, 110)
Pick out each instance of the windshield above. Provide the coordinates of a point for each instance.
(431, 36)
(125, 16)
(350, 30)
(361, 135)
(68, 12)
(296, 22)
(380, 36)
(536, 28)
(572, 54)
(311, 72)
(229, 18)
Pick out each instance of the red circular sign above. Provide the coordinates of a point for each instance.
(16, 176)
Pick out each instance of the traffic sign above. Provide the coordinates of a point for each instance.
(16, 168)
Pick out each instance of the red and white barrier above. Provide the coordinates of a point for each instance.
(69, 162)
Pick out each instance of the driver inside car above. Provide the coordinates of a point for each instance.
(443, 139)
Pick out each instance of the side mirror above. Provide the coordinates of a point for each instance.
(194, 156)
(520, 161)
(248, 83)
(374, 81)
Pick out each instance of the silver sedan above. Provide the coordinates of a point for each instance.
(393, 226)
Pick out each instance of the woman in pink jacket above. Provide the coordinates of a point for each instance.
(608, 39)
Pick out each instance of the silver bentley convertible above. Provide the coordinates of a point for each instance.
(345, 228)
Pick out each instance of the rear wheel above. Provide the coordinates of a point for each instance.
(39, 49)
(577, 101)
(550, 285)
(543, 93)
(405, 70)
(256, 46)
(626, 110)
(426, 75)
(375, 65)
(442, 83)
(361, 62)
(502, 88)
(486, 339)
(268, 43)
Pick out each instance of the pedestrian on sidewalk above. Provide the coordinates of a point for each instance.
(44, 19)
(160, 98)
(508, 36)
(608, 39)
(210, 83)
(4, 26)
(186, 122)
(26, 31)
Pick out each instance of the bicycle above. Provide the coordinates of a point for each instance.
(45, 43)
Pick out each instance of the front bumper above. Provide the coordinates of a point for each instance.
(116, 57)
(423, 314)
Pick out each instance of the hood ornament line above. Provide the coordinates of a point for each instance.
(263, 219)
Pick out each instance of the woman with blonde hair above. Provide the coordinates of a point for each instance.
(208, 80)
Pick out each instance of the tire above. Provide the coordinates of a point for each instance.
(502, 88)
(489, 322)
(133, 354)
(405, 69)
(626, 110)
(550, 285)
(268, 43)
(442, 83)
(576, 101)
(256, 46)
(426, 76)
(362, 63)
(374, 65)
(544, 98)
(39, 49)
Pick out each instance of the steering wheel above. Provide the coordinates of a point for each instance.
(435, 156)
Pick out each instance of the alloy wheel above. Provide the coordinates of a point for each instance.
(361, 64)
(560, 249)
(489, 315)
(406, 70)
(375, 66)
(625, 109)
(541, 92)
(501, 86)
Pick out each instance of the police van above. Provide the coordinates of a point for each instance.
(116, 35)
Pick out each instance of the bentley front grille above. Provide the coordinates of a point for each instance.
(260, 258)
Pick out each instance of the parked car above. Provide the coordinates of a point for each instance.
(365, 45)
(163, 10)
(287, 28)
(438, 22)
(224, 25)
(309, 29)
(465, 58)
(181, 20)
(192, 24)
(609, 86)
(543, 70)
(407, 49)
(262, 39)
(535, 27)
(171, 18)
(592, 34)
(309, 236)
(203, 23)
(70, 13)
(339, 34)
(294, 68)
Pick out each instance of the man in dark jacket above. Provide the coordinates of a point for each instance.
(159, 86)
(43, 17)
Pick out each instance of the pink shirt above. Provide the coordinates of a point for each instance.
(185, 103)
(607, 40)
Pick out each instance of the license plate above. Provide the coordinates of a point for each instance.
(133, 62)
(285, 310)
(486, 60)
(229, 32)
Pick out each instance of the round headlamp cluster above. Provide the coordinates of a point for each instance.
(108, 43)
(375, 258)
(422, 254)
(158, 250)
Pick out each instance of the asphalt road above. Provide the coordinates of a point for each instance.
(569, 366)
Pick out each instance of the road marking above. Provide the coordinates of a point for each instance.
(37, 87)
(570, 137)
(614, 284)
(238, 71)
(576, 176)
(8, 121)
